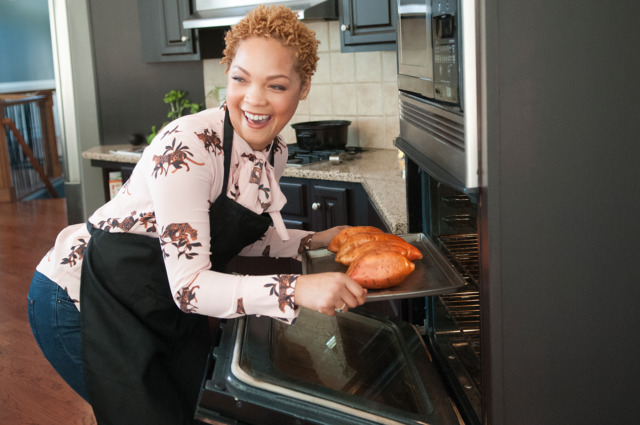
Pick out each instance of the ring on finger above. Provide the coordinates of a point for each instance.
(341, 309)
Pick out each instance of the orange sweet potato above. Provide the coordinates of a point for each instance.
(380, 269)
(411, 252)
(362, 238)
(345, 234)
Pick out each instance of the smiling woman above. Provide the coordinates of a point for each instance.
(151, 262)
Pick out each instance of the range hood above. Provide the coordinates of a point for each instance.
(220, 13)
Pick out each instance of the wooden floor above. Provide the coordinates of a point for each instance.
(31, 392)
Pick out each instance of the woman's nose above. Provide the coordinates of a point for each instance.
(255, 95)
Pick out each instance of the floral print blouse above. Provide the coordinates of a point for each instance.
(167, 197)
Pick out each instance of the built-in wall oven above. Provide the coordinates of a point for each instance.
(438, 76)
(439, 107)
(407, 356)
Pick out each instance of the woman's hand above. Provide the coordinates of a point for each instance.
(322, 239)
(326, 292)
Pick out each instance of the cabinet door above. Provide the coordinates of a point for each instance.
(177, 40)
(295, 213)
(320, 204)
(329, 207)
(368, 25)
(163, 37)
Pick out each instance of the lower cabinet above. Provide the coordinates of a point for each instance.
(320, 204)
(314, 205)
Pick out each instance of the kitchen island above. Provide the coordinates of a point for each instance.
(380, 171)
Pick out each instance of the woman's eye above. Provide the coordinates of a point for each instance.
(278, 87)
(237, 78)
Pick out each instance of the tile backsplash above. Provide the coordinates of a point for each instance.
(360, 87)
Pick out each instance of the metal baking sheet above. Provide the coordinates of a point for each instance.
(433, 275)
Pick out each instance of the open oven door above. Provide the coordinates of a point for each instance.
(353, 368)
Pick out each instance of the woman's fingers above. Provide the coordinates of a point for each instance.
(328, 292)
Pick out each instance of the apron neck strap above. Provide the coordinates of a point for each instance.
(227, 144)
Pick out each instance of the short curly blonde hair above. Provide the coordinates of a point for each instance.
(279, 23)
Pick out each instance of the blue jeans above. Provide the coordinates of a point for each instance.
(55, 323)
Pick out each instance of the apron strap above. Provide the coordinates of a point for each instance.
(226, 149)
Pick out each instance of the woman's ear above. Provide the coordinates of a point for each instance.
(304, 89)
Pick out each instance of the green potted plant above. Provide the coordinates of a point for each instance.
(179, 105)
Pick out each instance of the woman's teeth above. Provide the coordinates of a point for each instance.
(256, 119)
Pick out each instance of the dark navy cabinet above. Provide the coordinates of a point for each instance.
(368, 25)
(163, 37)
(321, 204)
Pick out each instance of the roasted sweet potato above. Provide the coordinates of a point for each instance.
(411, 252)
(380, 269)
(345, 234)
(362, 238)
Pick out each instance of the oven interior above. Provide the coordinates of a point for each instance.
(450, 217)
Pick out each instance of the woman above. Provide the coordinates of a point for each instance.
(146, 270)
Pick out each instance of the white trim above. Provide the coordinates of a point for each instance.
(20, 86)
(76, 99)
(64, 93)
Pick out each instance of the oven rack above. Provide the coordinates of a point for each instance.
(464, 310)
(462, 251)
(464, 307)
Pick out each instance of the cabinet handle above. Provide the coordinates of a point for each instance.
(316, 206)
(184, 38)
(344, 27)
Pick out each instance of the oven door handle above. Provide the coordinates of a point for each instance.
(472, 107)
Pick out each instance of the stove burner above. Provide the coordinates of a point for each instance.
(298, 156)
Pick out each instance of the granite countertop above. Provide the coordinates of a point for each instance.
(380, 171)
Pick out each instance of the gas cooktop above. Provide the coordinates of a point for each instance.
(299, 156)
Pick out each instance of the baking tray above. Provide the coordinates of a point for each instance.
(433, 275)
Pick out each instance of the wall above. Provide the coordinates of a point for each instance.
(360, 87)
(131, 91)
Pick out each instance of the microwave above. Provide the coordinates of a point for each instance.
(438, 91)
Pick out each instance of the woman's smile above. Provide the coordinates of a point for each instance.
(255, 119)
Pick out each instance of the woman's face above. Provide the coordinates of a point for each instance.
(263, 90)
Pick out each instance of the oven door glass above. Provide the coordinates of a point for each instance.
(369, 368)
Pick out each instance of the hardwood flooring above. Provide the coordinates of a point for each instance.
(31, 392)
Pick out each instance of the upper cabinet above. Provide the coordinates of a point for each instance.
(163, 37)
(368, 25)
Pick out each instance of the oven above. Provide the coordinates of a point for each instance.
(439, 109)
(450, 218)
(375, 364)
(411, 354)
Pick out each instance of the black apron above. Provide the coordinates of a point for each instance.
(144, 358)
